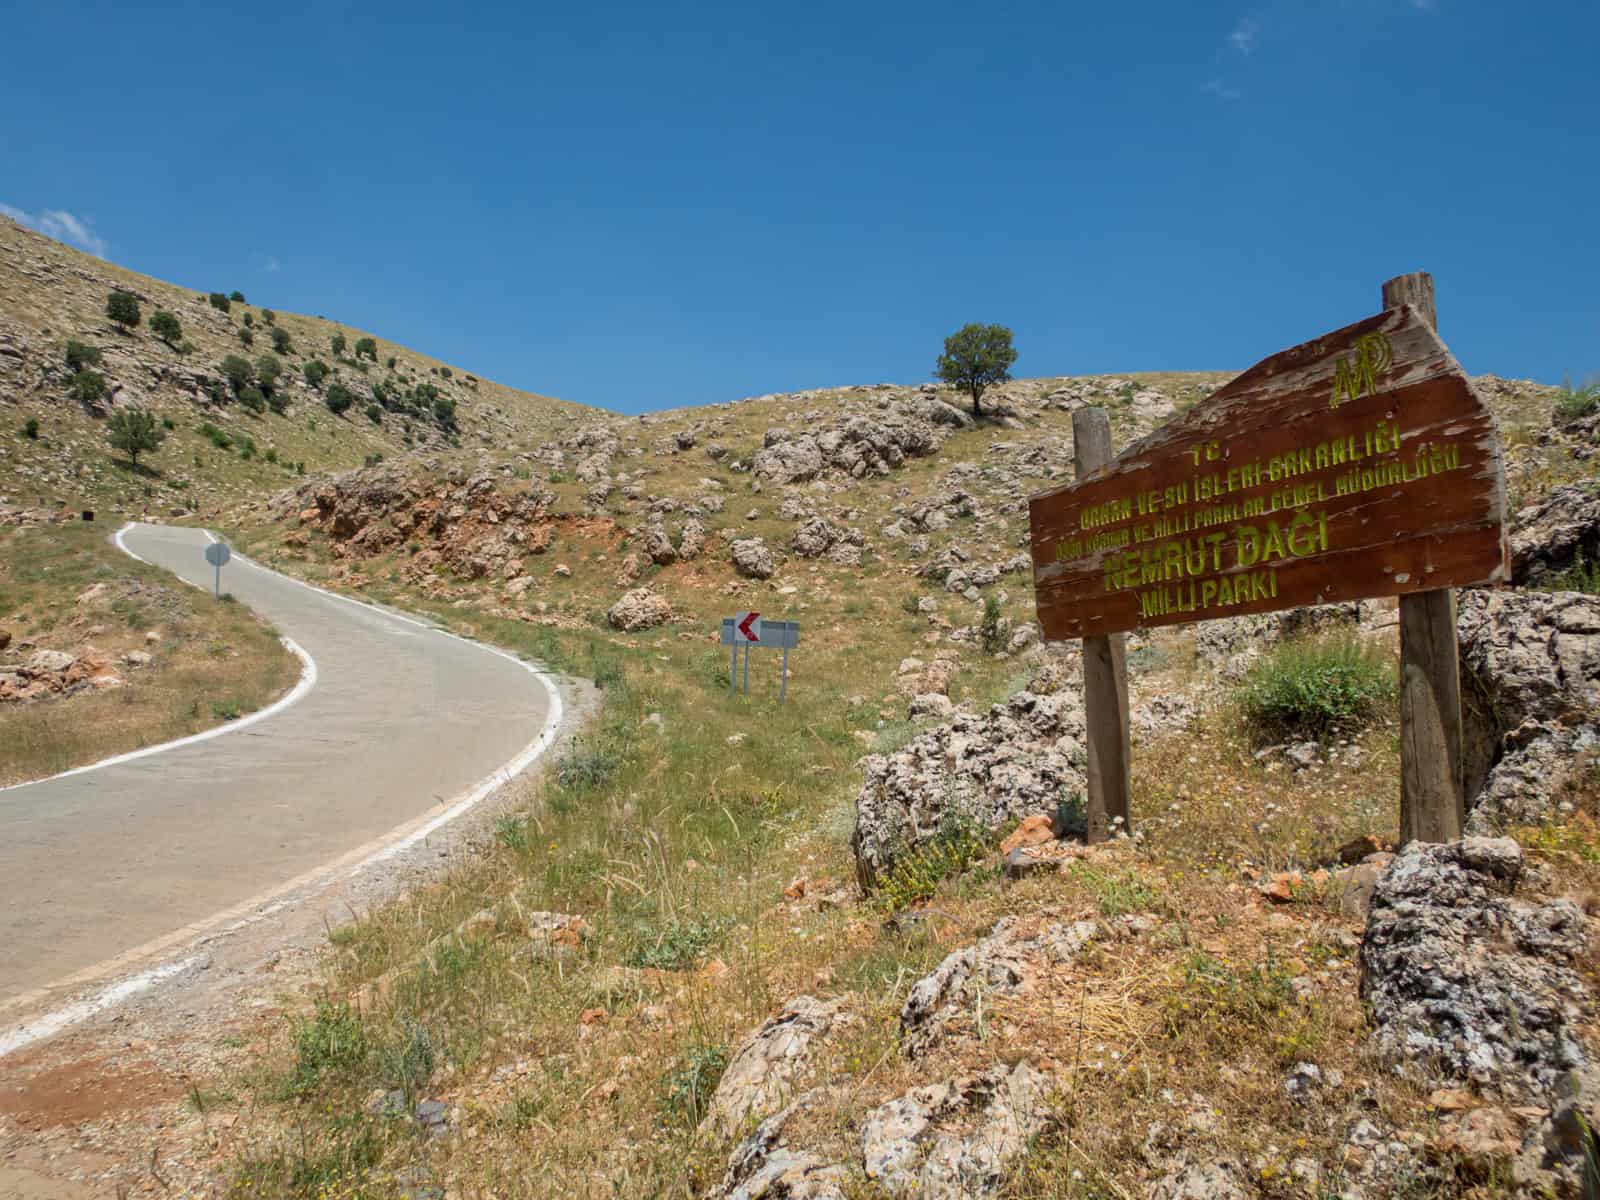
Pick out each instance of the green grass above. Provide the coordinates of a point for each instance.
(1316, 688)
(1573, 403)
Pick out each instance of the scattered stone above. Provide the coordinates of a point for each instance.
(763, 1167)
(993, 769)
(763, 1074)
(752, 559)
(1202, 1181)
(930, 704)
(639, 609)
(949, 1141)
(46, 662)
(1303, 1082)
(1464, 979)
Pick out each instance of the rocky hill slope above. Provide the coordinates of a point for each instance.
(217, 448)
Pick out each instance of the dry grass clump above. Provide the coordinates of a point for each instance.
(214, 661)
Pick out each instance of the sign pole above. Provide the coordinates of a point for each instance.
(1431, 806)
(217, 587)
(1105, 670)
(733, 670)
(747, 668)
(783, 684)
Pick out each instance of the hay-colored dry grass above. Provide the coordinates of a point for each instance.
(66, 587)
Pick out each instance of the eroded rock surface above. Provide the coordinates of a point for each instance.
(639, 609)
(1556, 534)
(763, 1072)
(991, 769)
(1465, 979)
(1530, 699)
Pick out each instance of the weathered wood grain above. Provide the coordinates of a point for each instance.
(1105, 673)
(1418, 506)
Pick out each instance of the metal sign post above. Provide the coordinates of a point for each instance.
(748, 629)
(216, 554)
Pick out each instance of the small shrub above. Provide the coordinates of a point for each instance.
(226, 710)
(375, 413)
(271, 455)
(249, 320)
(445, 372)
(219, 302)
(992, 629)
(316, 371)
(687, 1088)
(676, 945)
(916, 875)
(337, 343)
(334, 1042)
(1316, 688)
(237, 297)
(246, 338)
(372, 460)
(253, 398)
(1581, 576)
(166, 327)
(268, 315)
(80, 355)
(407, 1062)
(281, 341)
(88, 386)
(367, 348)
(1573, 402)
(238, 371)
(277, 401)
(30, 429)
(444, 412)
(247, 447)
(389, 362)
(268, 369)
(338, 398)
(123, 308)
(215, 436)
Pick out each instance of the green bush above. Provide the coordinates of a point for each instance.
(246, 338)
(281, 341)
(375, 413)
(237, 297)
(88, 386)
(215, 436)
(268, 369)
(30, 429)
(338, 343)
(338, 398)
(248, 320)
(389, 362)
(992, 628)
(367, 348)
(123, 308)
(166, 327)
(1317, 687)
(80, 355)
(219, 301)
(268, 315)
(916, 875)
(1573, 402)
(446, 372)
(675, 945)
(372, 460)
(271, 455)
(277, 401)
(238, 371)
(316, 371)
(334, 1042)
(253, 398)
(444, 411)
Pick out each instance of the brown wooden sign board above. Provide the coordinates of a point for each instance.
(1360, 464)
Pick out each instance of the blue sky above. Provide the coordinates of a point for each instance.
(656, 204)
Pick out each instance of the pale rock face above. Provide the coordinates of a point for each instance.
(995, 768)
(639, 609)
(1464, 979)
(762, 1075)
(1530, 699)
(752, 559)
(1550, 537)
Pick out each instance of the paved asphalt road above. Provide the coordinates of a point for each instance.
(401, 719)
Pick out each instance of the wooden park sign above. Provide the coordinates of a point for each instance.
(1360, 464)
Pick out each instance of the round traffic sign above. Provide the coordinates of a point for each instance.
(218, 553)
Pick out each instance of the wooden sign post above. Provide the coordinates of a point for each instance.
(1105, 671)
(1362, 463)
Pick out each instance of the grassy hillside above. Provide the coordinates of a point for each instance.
(216, 450)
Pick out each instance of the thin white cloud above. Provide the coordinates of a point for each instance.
(273, 264)
(58, 223)
(1217, 87)
(1243, 37)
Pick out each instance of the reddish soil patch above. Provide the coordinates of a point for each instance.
(83, 1091)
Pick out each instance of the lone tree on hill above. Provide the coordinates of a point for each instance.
(316, 371)
(165, 326)
(281, 341)
(80, 355)
(133, 431)
(123, 308)
(219, 301)
(367, 347)
(975, 357)
(337, 342)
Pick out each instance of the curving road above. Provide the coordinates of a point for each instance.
(401, 721)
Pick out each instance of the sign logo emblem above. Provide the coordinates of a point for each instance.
(1357, 375)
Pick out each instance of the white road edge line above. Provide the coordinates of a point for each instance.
(54, 1022)
(308, 680)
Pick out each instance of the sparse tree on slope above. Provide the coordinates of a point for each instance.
(976, 357)
(367, 348)
(133, 431)
(123, 308)
(165, 326)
